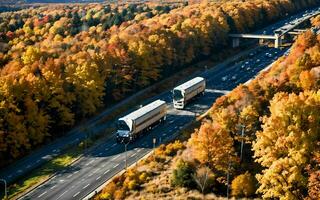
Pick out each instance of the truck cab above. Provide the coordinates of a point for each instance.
(123, 130)
(178, 98)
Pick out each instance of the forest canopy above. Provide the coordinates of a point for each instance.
(60, 64)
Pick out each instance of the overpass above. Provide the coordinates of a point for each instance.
(278, 34)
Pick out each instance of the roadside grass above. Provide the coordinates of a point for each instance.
(39, 175)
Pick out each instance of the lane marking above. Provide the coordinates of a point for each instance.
(86, 186)
(76, 194)
(69, 176)
(75, 172)
(106, 171)
(62, 194)
(116, 166)
(115, 157)
(98, 178)
(53, 187)
(139, 150)
(96, 170)
(89, 162)
(42, 194)
(133, 155)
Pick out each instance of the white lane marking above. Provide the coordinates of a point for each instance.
(75, 172)
(82, 180)
(171, 122)
(89, 162)
(86, 186)
(53, 187)
(114, 145)
(76, 194)
(164, 134)
(115, 157)
(106, 171)
(96, 170)
(176, 127)
(116, 165)
(62, 194)
(139, 150)
(69, 175)
(98, 178)
(133, 155)
(61, 180)
(42, 194)
(91, 174)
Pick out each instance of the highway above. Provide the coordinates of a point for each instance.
(47, 152)
(107, 159)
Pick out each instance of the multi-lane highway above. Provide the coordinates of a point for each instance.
(107, 159)
(45, 153)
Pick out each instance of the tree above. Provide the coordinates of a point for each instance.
(204, 178)
(212, 146)
(182, 175)
(243, 185)
(284, 146)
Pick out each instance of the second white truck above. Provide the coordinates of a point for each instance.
(133, 124)
(183, 93)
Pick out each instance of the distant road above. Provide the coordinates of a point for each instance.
(104, 161)
(47, 152)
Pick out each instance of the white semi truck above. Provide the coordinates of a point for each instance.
(183, 93)
(133, 124)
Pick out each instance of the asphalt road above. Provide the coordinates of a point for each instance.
(47, 152)
(107, 159)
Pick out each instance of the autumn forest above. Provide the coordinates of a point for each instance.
(59, 64)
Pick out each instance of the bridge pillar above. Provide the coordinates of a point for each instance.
(261, 41)
(235, 42)
(277, 41)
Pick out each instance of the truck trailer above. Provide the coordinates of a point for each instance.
(134, 124)
(183, 93)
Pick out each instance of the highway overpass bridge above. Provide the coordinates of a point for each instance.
(278, 34)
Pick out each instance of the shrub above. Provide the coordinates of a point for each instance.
(182, 175)
(108, 191)
(105, 196)
(143, 177)
(133, 185)
(120, 194)
(243, 185)
(173, 148)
